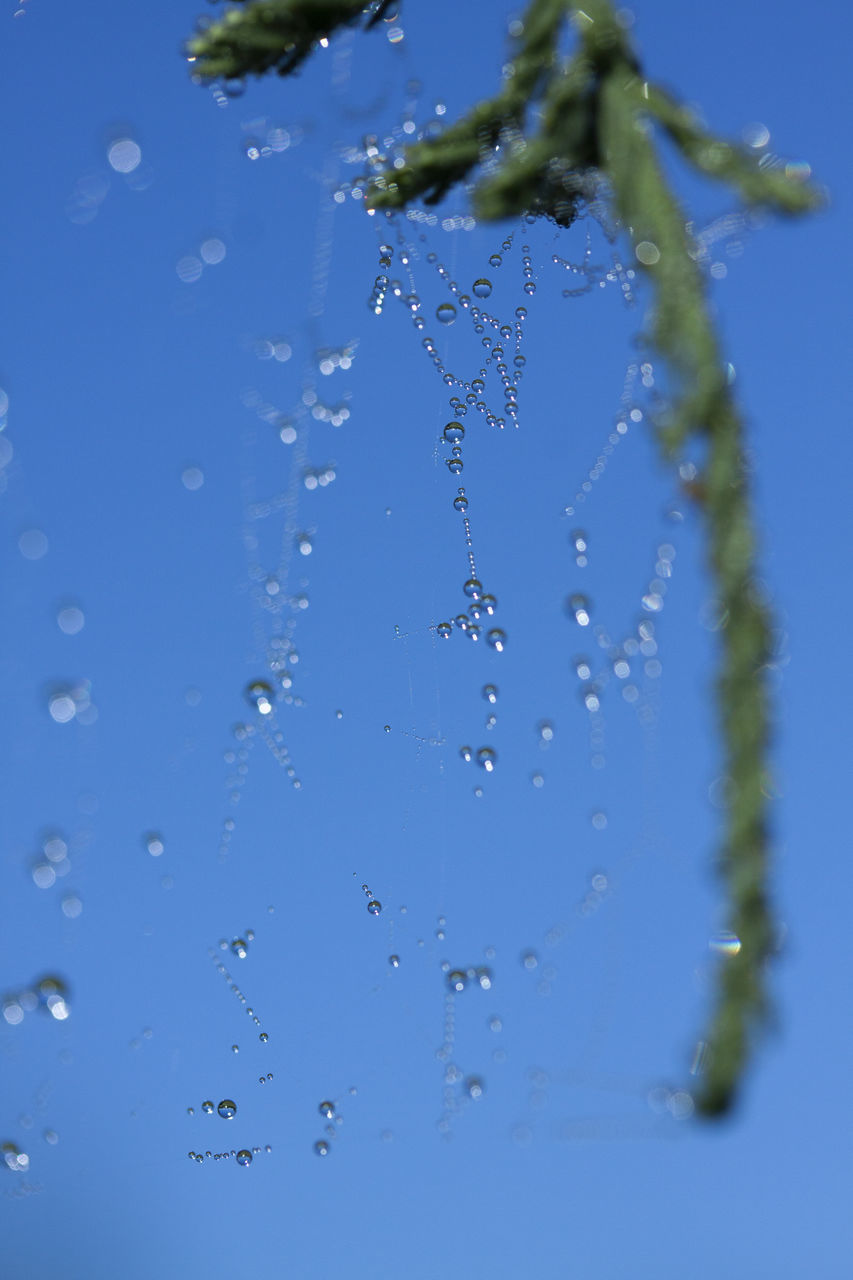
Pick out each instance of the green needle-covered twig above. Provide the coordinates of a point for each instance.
(558, 130)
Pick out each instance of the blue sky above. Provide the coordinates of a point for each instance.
(167, 296)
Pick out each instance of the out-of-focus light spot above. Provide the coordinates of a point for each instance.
(799, 170)
(189, 269)
(12, 1012)
(32, 544)
(4, 403)
(61, 707)
(192, 478)
(756, 135)
(192, 697)
(395, 35)
(86, 198)
(212, 251)
(44, 876)
(124, 155)
(725, 943)
(648, 253)
(70, 620)
(6, 451)
(71, 906)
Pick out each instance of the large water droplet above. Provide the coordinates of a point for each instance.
(460, 502)
(322, 1147)
(227, 1109)
(239, 948)
(327, 1109)
(481, 288)
(445, 313)
(497, 639)
(454, 433)
(457, 980)
(207, 1107)
(495, 260)
(473, 589)
(374, 907)
(487, 759)
(444, 629)
(490, 692)
(244, 1157)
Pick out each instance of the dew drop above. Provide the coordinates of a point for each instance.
(474, 1088)
(578, 607)
(490, 692)
(394, 962)
(529, 287)
(153, 842)
(260, 695)
(244, 1158)
(460, 502)
(457, 980)
(454, 433)
(374, 907)
(444, 629)
(322, 1147)
(207, 1108)
(227, 1109)
(529, 960)
(497, 639)
(466, 754)
(487, 759)
(454, 466)
(482, 288)
(445, 313)
(327, 1109)
(495, 260)
(473, 589)
(263, 1037)
(489, 604)
(240, 948)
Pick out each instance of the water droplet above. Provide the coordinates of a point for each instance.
(244, 1157)
(190, 1111)
(239, 948)
(474, 1088)
(529, 960)
(260, 695)
(481, 288)
(495, 260)
(327, 1109)
(460, 502)
(473, 589)
(207, 1107)
(466, 754)
(454, 466)
(546, 731)
(227, 1109)
(444, 629)
(538, 780)
(13, 1158)
(374, 907)
(578, 607)
(394, 962)
(490, 692)
(454, 433)
(445, 313)
(387, 728)
(263, 1037)
(304, 545)
(487, 759)
(235, 1048)
(529, 287)
(457, 980)
(497, 639)
(52, 996)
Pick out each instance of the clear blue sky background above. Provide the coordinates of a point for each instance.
(121, 377)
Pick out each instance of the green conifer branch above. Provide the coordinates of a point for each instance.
(594, 120)
(273, 35)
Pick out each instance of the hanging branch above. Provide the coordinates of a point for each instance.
(595, 117)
